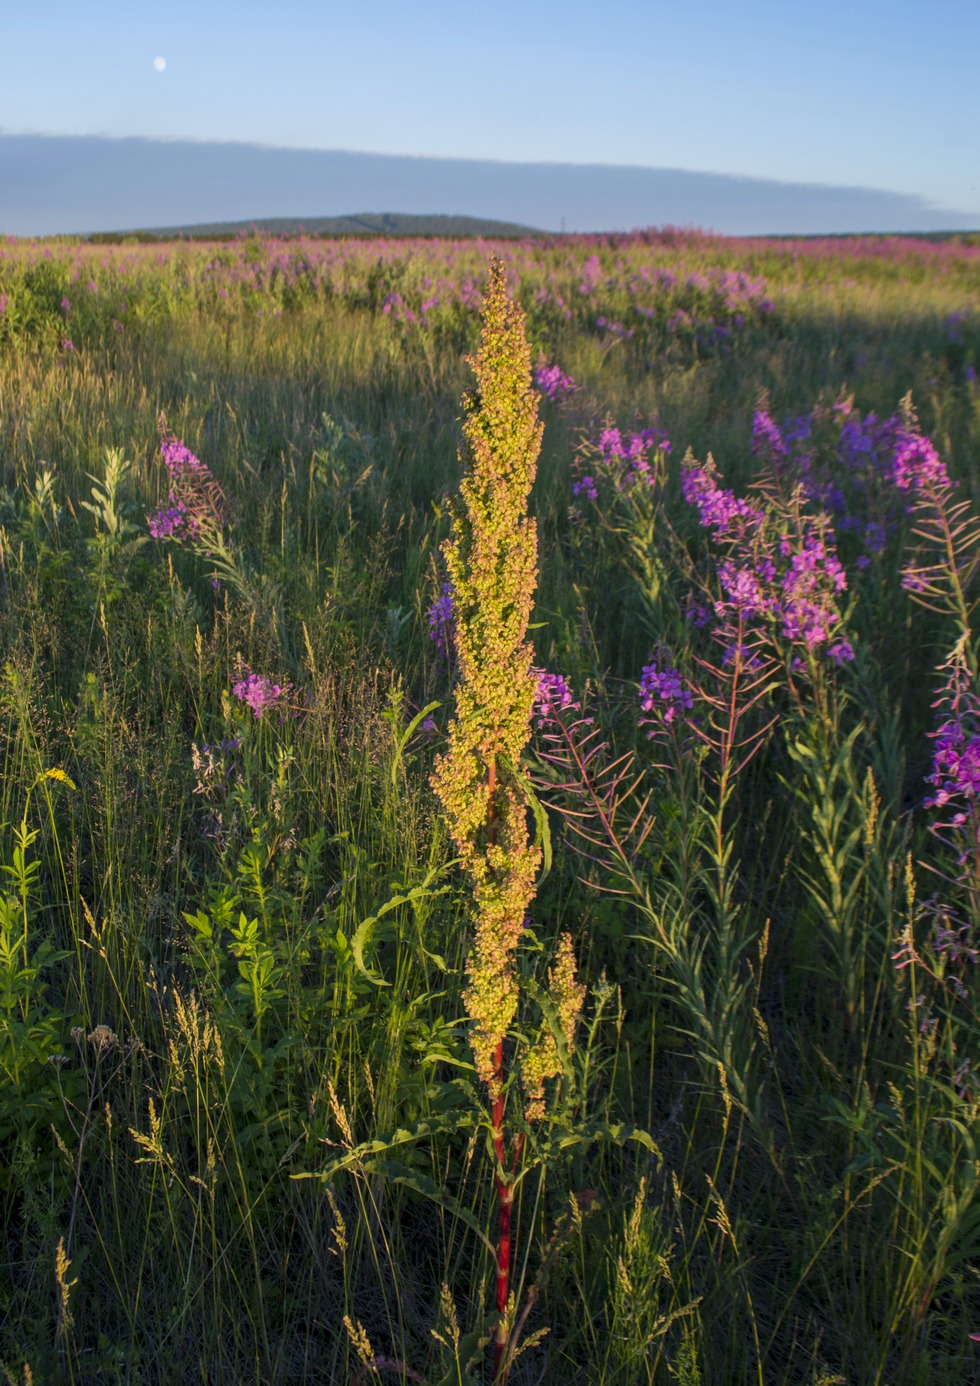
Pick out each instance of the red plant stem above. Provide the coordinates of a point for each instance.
(504, 1181)
(505, 1202)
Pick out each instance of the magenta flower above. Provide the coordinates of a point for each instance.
(808, 608)
(744, 590)
(840, 652)
(551, 697)
(766, 437)
(442, 620)
(257, 692)
(553, 382)
(916, 464)
(955, 774)
(624, 460)
(718, 509)
(585, 486)
(778, 566)
(169, 524)
(663, 695)
(195, 509)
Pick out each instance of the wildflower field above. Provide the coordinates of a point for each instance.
(491, 811)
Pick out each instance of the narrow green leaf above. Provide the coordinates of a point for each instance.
(403, 739)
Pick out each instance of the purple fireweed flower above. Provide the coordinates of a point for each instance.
(257, 692)
(625, 459)
(696, 612)
(797, 430)
(663, 695)
(840, 652)
(778, 570)
(611, 445)
(914, 580)
(966, 1082)
(718, 509)
(767, 441)
(553, 382)
(591, 272)
(743, 653)
(66, 305)
(955, 765)
(180, 461)
(552, 695)
(951, 937)
(67, 345)
(955, 774)
(442, 617)
(809, 586)
(169, 524)
(916, 465)
(195, 508)
(639, 444)
(744, 590)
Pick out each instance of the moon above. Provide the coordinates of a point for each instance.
(159, 64)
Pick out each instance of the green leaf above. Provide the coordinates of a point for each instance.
(362, 935)
(542, 828)
(619, 1134)
(464, 1121)
(398, 1173)
(471, 1350)
(403, 739)
(359, 941)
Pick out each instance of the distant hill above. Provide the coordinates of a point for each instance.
(79, 184)
(362, 224)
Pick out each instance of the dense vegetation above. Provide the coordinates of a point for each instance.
(241, 1136)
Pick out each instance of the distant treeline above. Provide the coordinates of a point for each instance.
(449, 227)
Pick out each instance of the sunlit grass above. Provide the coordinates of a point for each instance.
(814, 1217)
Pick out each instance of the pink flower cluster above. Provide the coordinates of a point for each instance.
(258, 693)
(779, 565)
(554, 383)
(195, 508)
(552, 696)
(916, 466)
(718, 509)
(663, 696)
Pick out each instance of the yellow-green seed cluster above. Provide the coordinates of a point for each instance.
(492, 563)
(543, 1060)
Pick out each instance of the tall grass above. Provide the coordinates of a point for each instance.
(236, 1089)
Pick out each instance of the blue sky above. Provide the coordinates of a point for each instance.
(871, 93)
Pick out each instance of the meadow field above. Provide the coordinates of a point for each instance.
(248, 1130)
